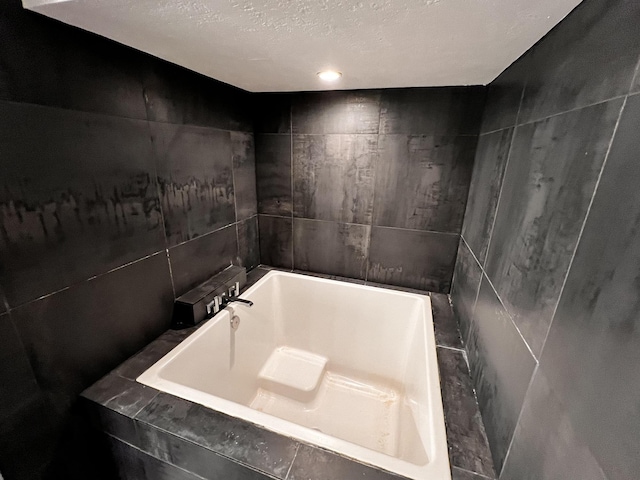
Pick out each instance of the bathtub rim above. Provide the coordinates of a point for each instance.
(437, 466)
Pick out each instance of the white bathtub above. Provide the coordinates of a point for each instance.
(346, 367)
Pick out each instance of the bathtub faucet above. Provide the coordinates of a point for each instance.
(221, 301)
(227, 300)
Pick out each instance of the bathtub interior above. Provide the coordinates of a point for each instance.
(350, 362)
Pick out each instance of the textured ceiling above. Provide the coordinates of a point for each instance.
(279, 45)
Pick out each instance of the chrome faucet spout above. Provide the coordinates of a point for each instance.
(228, 300)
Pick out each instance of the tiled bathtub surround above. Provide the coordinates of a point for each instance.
(151, 432)
(546, 278)
(368, 184)
(120, 174)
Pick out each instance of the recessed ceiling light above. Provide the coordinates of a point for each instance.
(329, 75)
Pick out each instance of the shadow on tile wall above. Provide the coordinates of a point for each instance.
(546, 281)
(367, 184)
(125, 182)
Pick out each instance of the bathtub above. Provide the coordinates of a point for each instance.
(346, 367)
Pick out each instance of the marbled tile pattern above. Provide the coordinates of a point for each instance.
(488, 172)
(336, 112)
(248, 243)
(276, 241)
(194, 262)
(445, 325)
(546, 200)
(592, 354)
(440, 111)
(411, 258)
(72, 205)
(546, 446)
(590, 59)
(330, 247)
(333, 177)
(501, 366)
(195, 180)
(273, 174)
(422, 181)
(466, 283)
(244, 174)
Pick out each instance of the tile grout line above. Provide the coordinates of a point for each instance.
(504, 175)
(513, 436)
(472, 472)
(373, 197)
(477, 294)
(295, 455)
(446, 347)
(586, 217)
(291, 179)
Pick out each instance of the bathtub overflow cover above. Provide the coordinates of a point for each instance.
(235, 322)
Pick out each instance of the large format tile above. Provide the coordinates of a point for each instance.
(314, 464)
(244, 174)
(228, 436)
(272, 112)
(545, 444)
(330, 247)
(75, 336)
(592, 353)
(16, 376)
(273, 174)
(434, 111)
(488, 172)
(444, 321)
(276, 241)
(466, 283)
(336, 112)
(461, 474)
(553, 168)
(78, 199)
(48, 63)
(588, 58)
(422, 181)
(501, 367)
(195, 179)
(410, 258)
(504, 95)
(195, 261)
(333, 177)
(248, 243)
(468, 446)
(176, 95)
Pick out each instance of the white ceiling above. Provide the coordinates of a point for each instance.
(279, 45)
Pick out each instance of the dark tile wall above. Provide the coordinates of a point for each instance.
(371, 184)
(550, 242)
(125, 181)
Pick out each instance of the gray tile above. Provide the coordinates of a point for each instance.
(244, 174)
(195, 261)
(501, 367)
(333, 177)
(256, 274)
(273, 174)
(100, 313)
(589, 57)
(16, 377)
(433, 111)
(228, 436)
(276, 241)
(191, 457)
(553, 168)
(78, 199)
(330, 247)
(128, 461)
(397, 288)
(330, 277)
(422, 181)
(468, 445)
(409, 258)
(488, 173)
(466, 283)
(122, 395)
(272, 113)
(336, 112)
(546, 445)
(460, 474)
(444, 322)
(195, 179)
(504, 95)
(592, 354)
(314, 464)
(248, 243)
